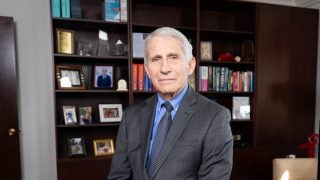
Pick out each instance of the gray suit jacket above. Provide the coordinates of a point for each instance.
(199, 143)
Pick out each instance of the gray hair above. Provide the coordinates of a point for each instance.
(169, 32)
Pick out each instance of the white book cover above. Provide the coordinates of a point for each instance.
(241, 108)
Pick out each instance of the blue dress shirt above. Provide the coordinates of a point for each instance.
(175, 102)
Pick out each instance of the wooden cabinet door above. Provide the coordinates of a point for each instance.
(9, 130)
(286, 51)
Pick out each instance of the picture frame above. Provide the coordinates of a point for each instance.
(76, 146)
(240, 108)
(103, 77)
(64, 41)
(85, 115)
(103, 147)
(69, 114)
(206, 50)
(69, 77)
(110, 112)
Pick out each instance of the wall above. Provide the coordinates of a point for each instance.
(35, 95)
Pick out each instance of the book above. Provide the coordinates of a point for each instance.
(112, 10)
(123, 11)
(75, 9)
(204, 78)
(138, 39)
(240, 108)
(134, 77)
(55, 8)
(65, 9)
(140, 77)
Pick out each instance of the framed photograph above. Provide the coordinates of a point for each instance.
(240, 108)
(76, 146)
(110, 112)
(69, 77)
(103, 77)
(206, 50)
(69, 113)
(85, 115)
(64, 41)
(103, 147)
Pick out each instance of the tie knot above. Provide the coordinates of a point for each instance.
(168, 106)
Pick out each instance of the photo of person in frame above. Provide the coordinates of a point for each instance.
(103, 77)
(111, 113)
(76, 146)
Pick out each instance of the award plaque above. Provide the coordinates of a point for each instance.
(65, 41)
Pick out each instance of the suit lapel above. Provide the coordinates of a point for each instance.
(146, 119)
(180, 121)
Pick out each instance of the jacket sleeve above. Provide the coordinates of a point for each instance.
(217, 149)
(120, 166)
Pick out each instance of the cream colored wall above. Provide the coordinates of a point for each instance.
(35, 87)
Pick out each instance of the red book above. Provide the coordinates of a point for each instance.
(135, 77)
(140, 77)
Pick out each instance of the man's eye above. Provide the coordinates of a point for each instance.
(173, 58)
(155, 60)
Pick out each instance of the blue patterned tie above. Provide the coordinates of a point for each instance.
(162, 130)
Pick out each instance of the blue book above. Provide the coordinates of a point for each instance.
(112, 10)
(55, 8)
(65, 8)
(75, 9)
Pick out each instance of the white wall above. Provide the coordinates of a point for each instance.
(35, 93)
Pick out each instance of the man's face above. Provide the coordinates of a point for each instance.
(167, 66)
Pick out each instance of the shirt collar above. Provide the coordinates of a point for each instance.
(175, 102)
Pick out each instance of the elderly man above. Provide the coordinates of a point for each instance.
(177, 134)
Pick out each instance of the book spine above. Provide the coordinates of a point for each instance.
(213, 78)
(204, 79)
(65, 8)
(200, 77)
(135, 77)
(210, 80)
(123, 11)
(112, 10)
(55, 8)
(230, 80)
(222, 79)
(218, 79)
(140, 77)
(75, 9)
(226, 78)
(251, 81)
(235, 79)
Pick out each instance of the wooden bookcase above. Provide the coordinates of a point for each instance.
(224, 23)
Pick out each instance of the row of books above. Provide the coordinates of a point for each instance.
(224, 79)
(140, 79)
(113, 10)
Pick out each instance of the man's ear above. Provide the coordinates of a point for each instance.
(192, 65)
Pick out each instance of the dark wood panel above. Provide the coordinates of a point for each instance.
(10, 145)
(243, 164)
(95, 169)
(286, 94)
